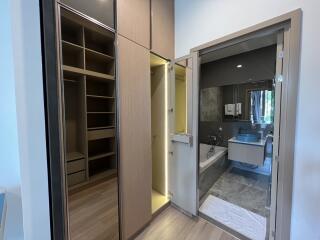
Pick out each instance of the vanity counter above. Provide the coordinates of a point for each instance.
(261, 142)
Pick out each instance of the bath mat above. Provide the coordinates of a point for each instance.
(237, 218)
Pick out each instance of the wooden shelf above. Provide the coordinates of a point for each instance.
(99, 75)
(97, 96)
(74, 156)
(87, 72)
(101, 112)
(71, 45)
(101, 156)
(98, 128)
(100, 134)
(70, 80)
(73, 70)
(100, 54)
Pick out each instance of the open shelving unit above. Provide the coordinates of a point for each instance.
(88, 66)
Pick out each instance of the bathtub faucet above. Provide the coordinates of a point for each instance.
(212, 140)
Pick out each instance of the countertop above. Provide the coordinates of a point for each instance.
(261, 142)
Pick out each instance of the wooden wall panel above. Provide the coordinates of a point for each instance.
(133, 20)
(135, 135)
(162, 28)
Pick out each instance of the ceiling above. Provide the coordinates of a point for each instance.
(242, 47)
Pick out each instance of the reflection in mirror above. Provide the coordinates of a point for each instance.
(261, 106)
(252, 101)
(89, 128)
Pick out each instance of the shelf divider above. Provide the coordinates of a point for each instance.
(102, 155)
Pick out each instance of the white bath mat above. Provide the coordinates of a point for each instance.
(237, 218)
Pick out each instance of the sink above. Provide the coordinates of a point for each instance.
(247, 137)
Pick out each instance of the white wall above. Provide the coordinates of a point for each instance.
(198, 22)
(9, 148)
(23, 145)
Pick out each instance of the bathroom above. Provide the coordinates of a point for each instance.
(236, 124)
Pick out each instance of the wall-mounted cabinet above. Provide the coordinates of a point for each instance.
(133, 20)
(162, 28)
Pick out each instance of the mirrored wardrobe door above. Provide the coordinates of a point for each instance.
(87, 66)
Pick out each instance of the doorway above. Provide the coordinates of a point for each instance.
(284, 93)
(283, 90)
(238, 110)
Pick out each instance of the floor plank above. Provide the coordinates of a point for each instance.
(93, 212)
(174, 225)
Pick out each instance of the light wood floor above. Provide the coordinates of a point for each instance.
(174, 225)
(93, 215)
(93, 212)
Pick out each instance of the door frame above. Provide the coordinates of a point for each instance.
(291, 68)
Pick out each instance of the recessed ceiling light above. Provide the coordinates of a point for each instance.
(239, 66)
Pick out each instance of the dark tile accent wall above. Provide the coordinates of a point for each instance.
(257, 65)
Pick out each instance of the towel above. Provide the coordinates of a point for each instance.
(238, 109)
(229, 109)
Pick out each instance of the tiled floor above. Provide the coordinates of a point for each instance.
(243, 188)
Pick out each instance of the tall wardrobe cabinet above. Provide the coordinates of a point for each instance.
(105, 74)
(135, 135)
(162, 28)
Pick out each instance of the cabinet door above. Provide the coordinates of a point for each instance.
(162, 28)
(183, 122)
(135, 136)
(133, 20)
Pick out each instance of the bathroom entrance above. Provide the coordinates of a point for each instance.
(230, 106)
(239, 115)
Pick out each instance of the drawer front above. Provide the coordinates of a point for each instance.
(76, 166)
(246, 153)
(99, 134)
(76, 178)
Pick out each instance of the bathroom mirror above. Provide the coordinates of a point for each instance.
(252, 101)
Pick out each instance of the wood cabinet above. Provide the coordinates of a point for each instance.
(162, 28)
(133, 20)
(135, 136)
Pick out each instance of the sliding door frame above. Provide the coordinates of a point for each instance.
(53, 116)
(290, 23)
(53, 101)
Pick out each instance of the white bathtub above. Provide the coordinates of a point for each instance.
(207, 162)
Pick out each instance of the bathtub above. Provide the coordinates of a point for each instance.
(210, 169)
(205, 162)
